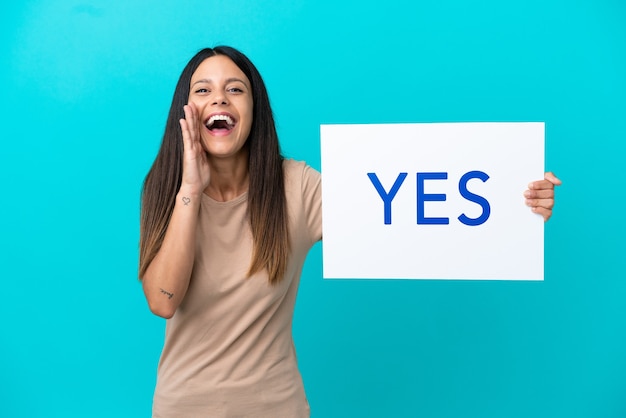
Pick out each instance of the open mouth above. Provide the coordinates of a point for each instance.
(220, 123)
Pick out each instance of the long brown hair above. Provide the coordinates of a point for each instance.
(267, 207)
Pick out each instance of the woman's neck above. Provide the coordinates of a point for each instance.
(229, 178)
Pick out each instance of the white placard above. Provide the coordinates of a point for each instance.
(373, 230)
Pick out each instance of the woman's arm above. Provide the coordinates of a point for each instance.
(540, 195)
(166, 279)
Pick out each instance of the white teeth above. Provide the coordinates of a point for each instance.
(214, 118)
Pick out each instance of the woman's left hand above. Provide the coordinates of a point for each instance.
(540, 195)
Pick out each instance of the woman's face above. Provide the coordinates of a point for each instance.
(223, 96)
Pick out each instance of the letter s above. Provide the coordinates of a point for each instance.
(474, 198)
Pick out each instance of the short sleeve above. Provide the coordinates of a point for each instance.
(312, 201)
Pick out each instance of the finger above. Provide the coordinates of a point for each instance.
(190, 117)
(539, 194)
(549, 181)
(540, 203)
(189, 127)
(184, 129)
(541, 185)
(552, 178)
(194, 122)
(546, 213)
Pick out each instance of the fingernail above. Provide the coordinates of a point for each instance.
(527, 193)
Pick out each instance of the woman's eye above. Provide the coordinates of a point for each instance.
(235, 90)
(202, 91)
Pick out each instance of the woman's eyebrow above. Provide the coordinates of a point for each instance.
(203, 80)
(228, 80)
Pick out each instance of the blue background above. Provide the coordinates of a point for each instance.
(86, 86)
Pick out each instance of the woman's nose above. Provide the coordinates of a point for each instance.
(219, 98)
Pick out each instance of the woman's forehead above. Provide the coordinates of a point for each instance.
(218, 68)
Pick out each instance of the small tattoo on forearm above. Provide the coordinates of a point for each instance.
(186, 200)
(165, 292)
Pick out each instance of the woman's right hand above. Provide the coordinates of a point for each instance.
(196, 172)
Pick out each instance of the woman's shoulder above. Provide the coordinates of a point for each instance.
(301, 177)
(298, 169)
(294, 165)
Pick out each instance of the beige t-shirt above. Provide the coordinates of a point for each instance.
(228, 348)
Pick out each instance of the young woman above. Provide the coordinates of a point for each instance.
(226, 223)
